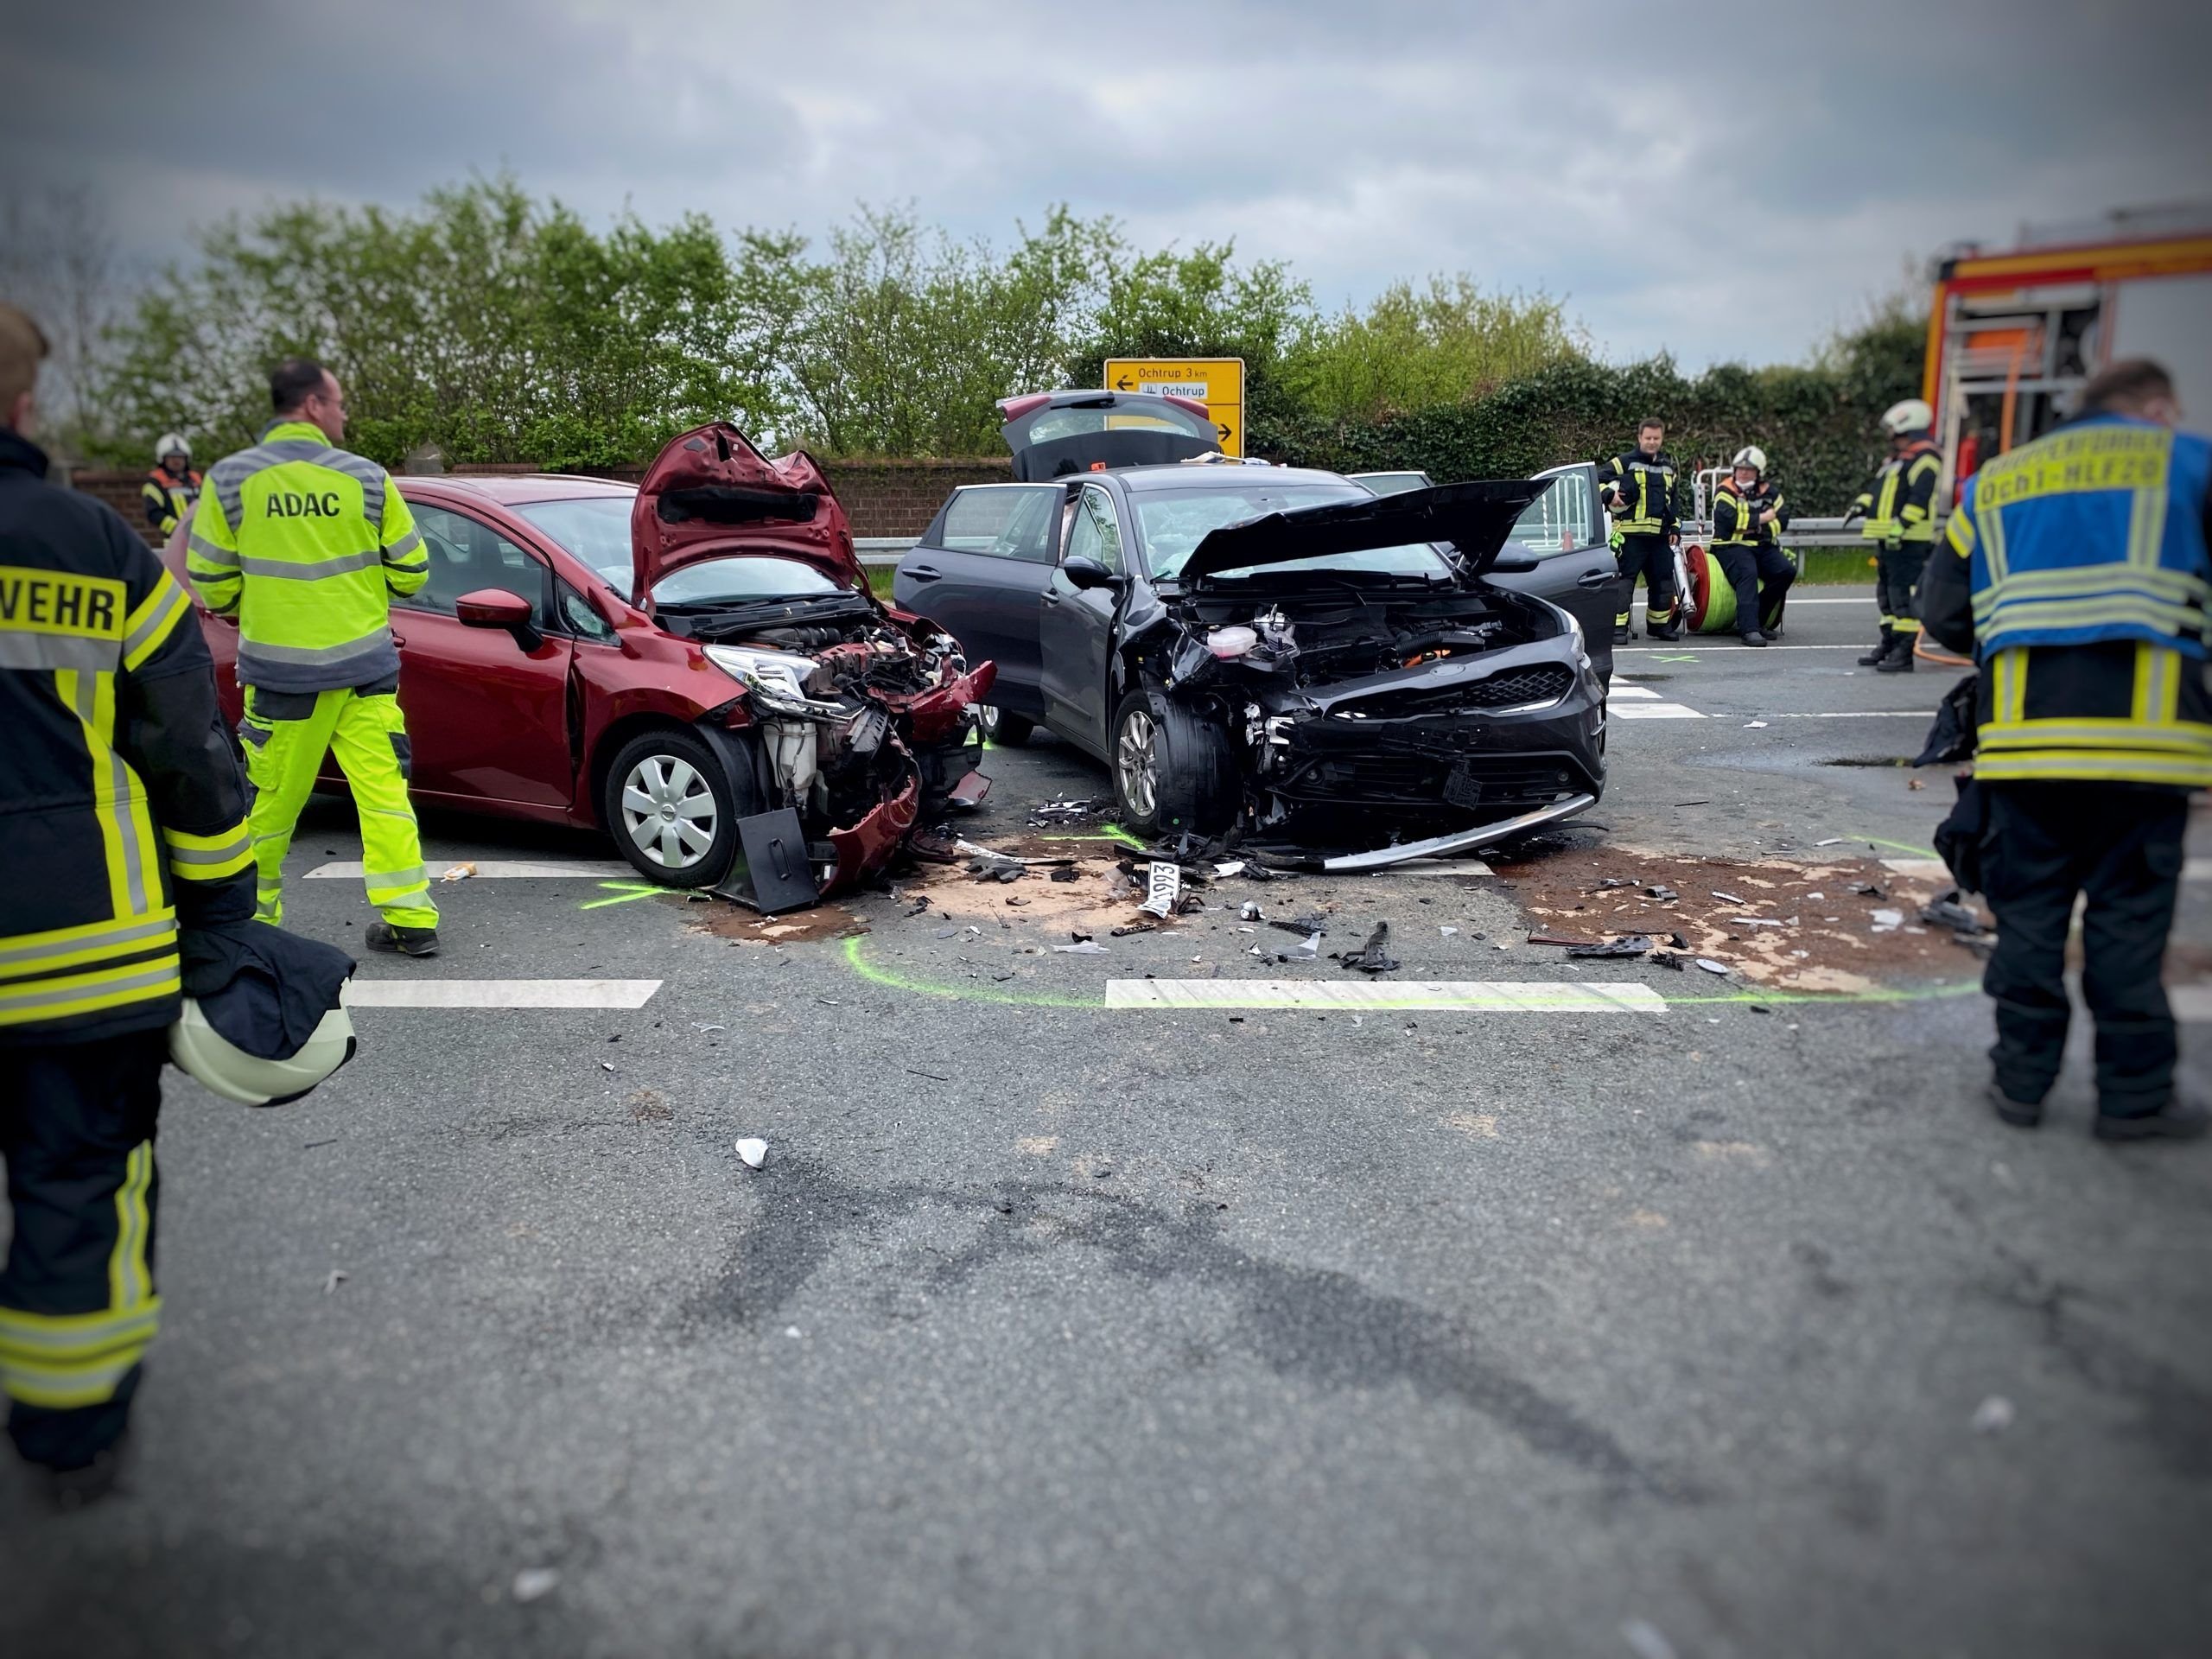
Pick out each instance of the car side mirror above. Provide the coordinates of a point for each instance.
(495, 607)
(1084, 573)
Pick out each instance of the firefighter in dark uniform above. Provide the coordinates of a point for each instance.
(1899, 508)
(126, 821)
(1748, 517)
(2075, 571)
(172, 487)
(1638, 486)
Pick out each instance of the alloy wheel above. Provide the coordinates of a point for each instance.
(668, 811)
(1136, 763)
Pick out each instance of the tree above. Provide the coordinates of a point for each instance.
(57, 261)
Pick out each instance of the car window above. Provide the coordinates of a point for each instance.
(1561, 519)
(1093, 533)
(743, 577)
(1074, 423)
(1175, 521)
(1002, 521)
(578, 617)
(593, 528)
(467, 556)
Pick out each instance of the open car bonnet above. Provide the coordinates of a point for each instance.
(1474, 517)
(710, 493)
(1057, 434)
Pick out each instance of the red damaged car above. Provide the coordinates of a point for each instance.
(667, 661)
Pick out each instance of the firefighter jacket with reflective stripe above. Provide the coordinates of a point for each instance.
(122, 804)
(1736, 516)
(1900, 504)
(168, 499)
(305, 544)
(2075, 569)
(1647, 484)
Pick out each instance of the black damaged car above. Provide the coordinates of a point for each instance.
(1278, 651)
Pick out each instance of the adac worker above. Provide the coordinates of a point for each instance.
(305, 544)
(172, 487)
(2076, 570)
(124, 822)
(1748, 516)
(1638, 486)
(1900, 507)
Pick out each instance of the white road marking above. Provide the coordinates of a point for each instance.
(1474, 997)
(500, 993)
(1934, 870)
(494, 869)
(1653, 711)
(2191, 1003)
(1618, 691)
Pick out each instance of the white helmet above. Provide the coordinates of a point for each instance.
(172, 443)
(1752, 456)
(219, 1067)
(1910, 416)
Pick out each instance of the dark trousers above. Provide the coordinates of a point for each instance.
(77, 1301)
(1761, 576)
(1897, 585)
(2122, 846)
(1651, 557)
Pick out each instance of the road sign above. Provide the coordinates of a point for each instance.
(1217, 382)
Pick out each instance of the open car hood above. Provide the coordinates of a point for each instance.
(1475, 517)
(1057, 434)
(710, 493)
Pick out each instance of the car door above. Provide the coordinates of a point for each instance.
(1075, 624)
(979, 573)
(487, 714)
(1566, 532)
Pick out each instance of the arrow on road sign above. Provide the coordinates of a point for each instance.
(1222, 429)
(1123, 384)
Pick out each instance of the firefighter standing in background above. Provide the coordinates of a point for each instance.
(2076, 570)
(1638, 486)
(172, 487)
(125, 821)
(1900, 507)
(1748, 516)
(305, 544)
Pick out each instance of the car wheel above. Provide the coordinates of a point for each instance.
(1173, 771)
(671, 809)
(1004, 730)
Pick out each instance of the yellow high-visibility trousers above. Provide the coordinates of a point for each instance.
(286, 736)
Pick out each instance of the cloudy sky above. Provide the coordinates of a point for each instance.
(1724, 181)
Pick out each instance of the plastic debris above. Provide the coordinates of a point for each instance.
(1673, 959)
(1871, 890)
(1312, 922)
(1612, 881)
(1234, 867)
(1306, 952)
(1447, 932)
(533, 1582)
(1632, 945)
(1060, 809)
(1753, 921)
(1833, 841)
(697, 1027)
(1645, 1640)
(1163, 887)
(754, 1150)
(1993, 1415)
(337, 1278)
(1711, 966)
(1374, 957)
(1887, 921)
(1663, 893)
(1067, 873)
(1128, 928)
(1250, 911)
(1755, 725)
(1558, 938)
(1733, 897)
(459, 872)
(1082, 948)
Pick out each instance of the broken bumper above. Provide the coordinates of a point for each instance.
(1459, 840)
(870, 845)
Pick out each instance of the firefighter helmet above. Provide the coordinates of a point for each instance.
(172, 443)
(1752, 456)
(223, 1068)
(1910, 416)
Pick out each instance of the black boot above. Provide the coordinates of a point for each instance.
(2177, 1119)
(1753, 637)
(402, 941)
(1622, 634)
(1898, 658)
(1874, 658)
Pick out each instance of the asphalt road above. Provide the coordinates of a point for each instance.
(1050, 1327)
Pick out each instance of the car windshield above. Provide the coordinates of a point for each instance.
(743, 578)
(594, 528)
(1176, 521)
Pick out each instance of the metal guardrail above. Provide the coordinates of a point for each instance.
(882, 551)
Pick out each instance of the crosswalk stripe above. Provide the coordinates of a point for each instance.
(500, 993)
(1472, 996)
(1653, 711)
(492, 869)
(1619, 691)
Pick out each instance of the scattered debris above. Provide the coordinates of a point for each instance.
(1062, 809)
(754, 1151)
(1163, 887)
(1993, 1415)
(933, 1077)
(533, 1582)
(921, 906)
(1754, 921)
(337, 1278)
(1307, 951)
(1755, 725)
(1234, 867)
(1067, 873)
(1885, 921)
(1612, 881)
(1663, 893)
(1673, 959)
(1871, 890)
(1250, 911)
(459, 872)
(1711, 966)
(1311, 922)
(1082, 948)
(1447, 932)
(1833, 841)
(1733, 897)
(696, 1025)
(1558, 938)
(1374, 957)
(1633, 944)
(1128, 928)
(1916, 782)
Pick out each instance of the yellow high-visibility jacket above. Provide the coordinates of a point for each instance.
(306, 545)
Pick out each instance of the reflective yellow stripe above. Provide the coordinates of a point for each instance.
(2174, 737)
(30, 1002)
(24, 954)
(208, 858)
(130, 1277)
(2092, 766)
(61, 1360)
(146, 628)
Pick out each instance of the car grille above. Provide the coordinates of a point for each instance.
(1476, 781)
(1539, 683)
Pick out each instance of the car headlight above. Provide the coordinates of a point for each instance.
(1581, 640)
(777, 679)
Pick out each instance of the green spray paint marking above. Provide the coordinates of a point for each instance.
(856, 959)
(1689, 658)
(1898, 846)
(626, 892)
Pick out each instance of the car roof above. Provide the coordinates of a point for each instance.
(510, 489)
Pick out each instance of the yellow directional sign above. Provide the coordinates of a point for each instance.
(1217, 382)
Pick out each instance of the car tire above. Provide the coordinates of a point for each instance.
(661, 783)
(1190, 781)
(1004, 730)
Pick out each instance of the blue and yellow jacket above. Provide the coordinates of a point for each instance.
(2075, 569)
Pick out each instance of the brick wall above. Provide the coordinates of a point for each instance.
(882, 498)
